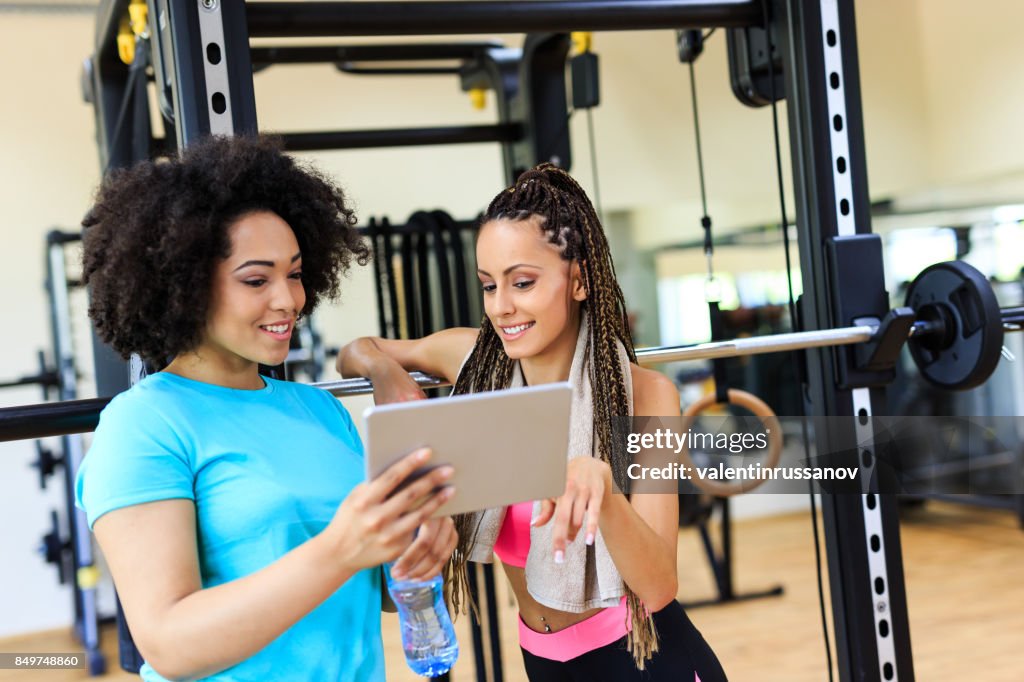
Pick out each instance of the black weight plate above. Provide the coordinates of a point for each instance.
(967, 354)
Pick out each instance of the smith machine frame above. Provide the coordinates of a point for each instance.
(203, 69)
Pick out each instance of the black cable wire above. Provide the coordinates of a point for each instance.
(794, 322)
(696, 125)
(817, 554)
(593, 164)
(705, 223)
(712, 297)
(137, 67)
(696, 128)
(778, 172)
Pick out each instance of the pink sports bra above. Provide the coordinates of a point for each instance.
(513, 541)
(605, 627)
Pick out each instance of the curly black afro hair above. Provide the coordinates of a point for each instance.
(157, 230)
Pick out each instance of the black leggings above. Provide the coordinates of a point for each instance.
(682, 654)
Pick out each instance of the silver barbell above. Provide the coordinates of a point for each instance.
(81, 416)
(754, 345)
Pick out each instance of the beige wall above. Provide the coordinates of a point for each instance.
(893, 92)
(972, 56)
(47, 170)
(738, 147)
(49, 165)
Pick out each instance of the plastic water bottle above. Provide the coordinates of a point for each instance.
(428, 637)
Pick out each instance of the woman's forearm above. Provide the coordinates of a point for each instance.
(646, 562)
(358, 358)
(215, 628)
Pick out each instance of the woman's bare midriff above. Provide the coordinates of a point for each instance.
(537, 617)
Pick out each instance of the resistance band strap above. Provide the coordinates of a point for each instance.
(444, 275)
(393, 331)
(379, 280)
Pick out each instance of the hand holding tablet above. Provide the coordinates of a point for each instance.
(505, 446)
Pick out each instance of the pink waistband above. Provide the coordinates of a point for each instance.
(604, 627)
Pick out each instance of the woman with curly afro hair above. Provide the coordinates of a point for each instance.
(594, 573)
(229, 506)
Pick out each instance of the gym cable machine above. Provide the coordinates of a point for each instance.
(203, 63)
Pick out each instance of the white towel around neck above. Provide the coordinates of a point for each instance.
(587, 578)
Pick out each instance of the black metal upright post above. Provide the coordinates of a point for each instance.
(204, 59)
(107, 82)
(84, 580)
(540, 105)
(819, 46)
(110, 90)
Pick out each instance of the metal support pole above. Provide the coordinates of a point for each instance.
(204, 46)
(285, 19)
(85, 595)
(341, 54)
(819, 46)
(541, 106)
(108, 80)
(401, 137)
(106, 76)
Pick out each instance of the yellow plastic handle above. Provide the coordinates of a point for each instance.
(125, 42)
(478, 97)
(88, 577)
(138, 14)
(582, 41)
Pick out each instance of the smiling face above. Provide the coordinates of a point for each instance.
(532, 295)
(256, 295)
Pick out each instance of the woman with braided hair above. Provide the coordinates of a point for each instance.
(594, 573)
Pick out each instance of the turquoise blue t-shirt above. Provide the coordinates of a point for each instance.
(267, 470)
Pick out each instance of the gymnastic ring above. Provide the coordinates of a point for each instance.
(760, 410)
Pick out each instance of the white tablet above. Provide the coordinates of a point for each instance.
(505, 446)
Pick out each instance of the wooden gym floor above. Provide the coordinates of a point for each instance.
(966, 603)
